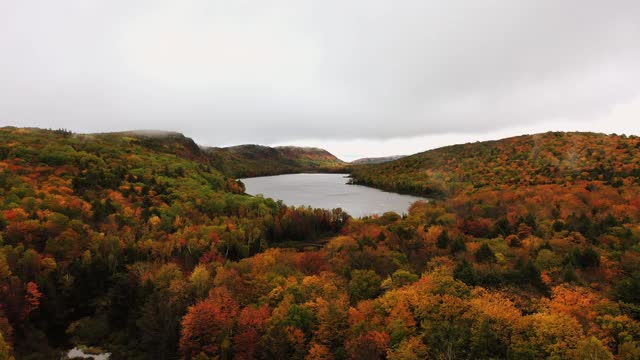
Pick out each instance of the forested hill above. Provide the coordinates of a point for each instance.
(86, 220)
(242, 160)
(548, 158)
(256, 160)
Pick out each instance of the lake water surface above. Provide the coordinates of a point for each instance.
(328, 191)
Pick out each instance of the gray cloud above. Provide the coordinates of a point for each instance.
(276, 71)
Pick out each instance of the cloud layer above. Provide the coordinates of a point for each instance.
(279, 71)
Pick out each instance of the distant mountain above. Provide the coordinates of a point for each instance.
(257, 160)
(377, 160)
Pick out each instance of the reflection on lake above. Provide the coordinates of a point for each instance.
(78, 353)
(328, 191)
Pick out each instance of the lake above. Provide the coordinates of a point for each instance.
(328, 191)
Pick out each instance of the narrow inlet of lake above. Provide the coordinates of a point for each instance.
(328, 191)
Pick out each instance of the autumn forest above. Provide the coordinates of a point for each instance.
(147, 247)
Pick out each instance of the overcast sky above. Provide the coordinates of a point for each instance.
(360, 77)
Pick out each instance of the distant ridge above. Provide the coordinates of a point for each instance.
(377, 160)
(150, 133)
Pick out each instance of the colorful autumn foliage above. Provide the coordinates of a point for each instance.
(207, 326)
(138, 245)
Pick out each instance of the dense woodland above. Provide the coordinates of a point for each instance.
(139, 246)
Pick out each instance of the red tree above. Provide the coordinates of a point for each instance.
(207, 326)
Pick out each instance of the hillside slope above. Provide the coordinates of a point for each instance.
(167, 142)
(81, 214)
(256, 160)
(549, 158)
